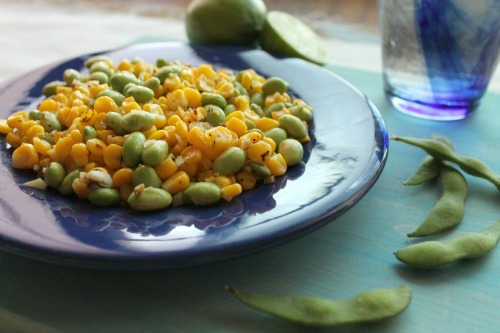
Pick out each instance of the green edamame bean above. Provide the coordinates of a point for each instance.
(203, 193)
(277, 134)
(430, 167)
(250, 124)
(155, 151)
(54, 174)
(166, 71)
(149, 199)
(272, 108)
(144, 174)
(137, 120)
(449, 210)
(140, 94)
(71, 75)
(113, 120)
(89, 132)
(230, 108)
(371, 305)
(50, 88)
(260, 170)
(104, 197)
(257, 98)
(230, 161)
(292, 151)
(119, 80)
(214, 99)
(100, 77)
(301, 112)
(240, 89)
(49, 137)
(152, 83)
(102, 67)
(66, 187)
(133, 148)
(114, 95)
(441, 151)
(162, 62)
(468, 245)
(34, 115)
(274, 85)
(49, 121)
(257, 109)
(293, 126)
(92, 60)
(215, 116)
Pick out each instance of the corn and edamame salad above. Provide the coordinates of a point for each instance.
(158, 135)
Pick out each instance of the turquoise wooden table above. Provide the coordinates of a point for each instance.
(352, 254)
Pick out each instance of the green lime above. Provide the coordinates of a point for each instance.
(225, 21)
(285, 34)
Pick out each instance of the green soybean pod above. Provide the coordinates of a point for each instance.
(149, 199)
(291, 150)
(49, 89)
(137, 120)
(214, 99)
(133, 148)
(146, 175)
(468, 245)
(66, 187)
(54, 174)
(155, 151)
(230, 161)
(203, 193)
(104, 197)
(293, 126)
(368, 306)
(449, 210)
(274, 85)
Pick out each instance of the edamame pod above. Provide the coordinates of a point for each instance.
(468, 245)
(149, 199)
(372, 305)
(449, 210)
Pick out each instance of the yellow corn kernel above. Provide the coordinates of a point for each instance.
(124, 65)
(76, 136)
(34, 131)
(198, 139)
(242, 103)
(236, 114)
(64, 90)
(192, 155)
(171, 138)
(100, 121)
(237, 125)
(265, 124)
(4, 128)
(80, 154)
(246, 179)
(222, 181)
(63, 148)
(176, 183)
(249, 138)
(48, 105)
(88, 117)
(277, 114)
(205, 84)
(270, 142)
(80, 188)
(190, 169)
(277, 98)
(259, 152)
(276, 164)
(173, 120)
(90, 166)
(172, 83)
(44, 162)
(177, 99)
(95, 88)
(149, 131)
(14, 139)
(58, 136)
(179, 147)
(181, 130)
(225, 89)
(193, 97)
(229, 192)
(129, 104)
(25, 126)
(62, 99)
(41, 145)
(103, 134)
(51, 153)
(16, 120)
(220, 138)
(113, 156)
(158, 135)
(69, 164)
(96, 146)
(25, 156)
(166, 168)
(105, 104)
(206, 70)
(115, 139)
(122, 177)
(125, 191)
(97, 159)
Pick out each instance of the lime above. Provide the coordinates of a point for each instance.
(285, 34)
(225, 21)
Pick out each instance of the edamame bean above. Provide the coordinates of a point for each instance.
(214, 99)
(260, 170)
(54, 174)
(144, 174)
(49, 121)
(203, 193)
(100, 77)
(268, 111)
(274, 85)
(162, 62)
(92, 60)
(257, 98)
(119, 80)
(34, 115)
(66, 187)
(240, 89)
(133, 148)
(430, 167)
(113, 120)
(257, 109)
(230, 161)
(449, 210)
(292, 151)
(468, 245)
(140, 94)
(71, 75)
(137, 120)
(50, 88)
(215, 116)
(371, 305)
(149, 198)
(301, 112)
(293, 126)
(152, 83)
(114, 95)
(441, 151)
(277, 134)
(104, 197)
(155, 151)
(89, 132)
(166, 71)
(101, 67)
(230, 108)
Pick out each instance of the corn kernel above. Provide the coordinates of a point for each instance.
(176, 183)
(113, 156)
(4, 128)
(166, 168)
(237, 125)
(122, 177)
(276, 164)
(25, 156)
(96, 146)
(230, 191)
(80, 154)
(246, 179)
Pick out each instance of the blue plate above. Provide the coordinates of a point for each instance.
(344, 158)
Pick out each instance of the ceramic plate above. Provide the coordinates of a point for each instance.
(344, 158)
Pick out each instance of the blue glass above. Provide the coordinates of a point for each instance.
(439, 56)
